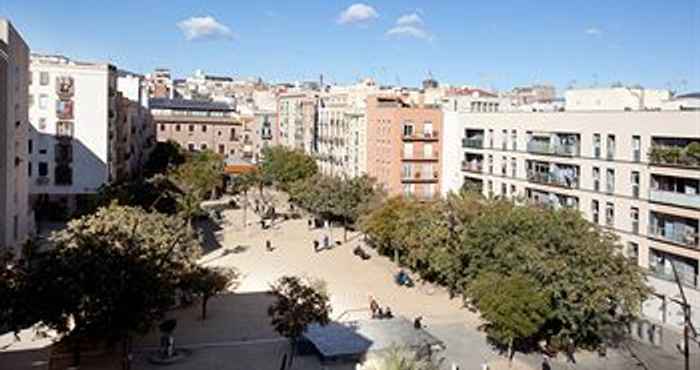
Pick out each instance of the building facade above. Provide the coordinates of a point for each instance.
(297, 118)
(200, 125)
(16, 218)
(77, 142)
(403, 146)
(614, 167)
(616, 99)
(263, 132)
(139, 135)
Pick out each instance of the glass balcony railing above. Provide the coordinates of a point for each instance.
(552, 178)
(540, 147)
(675, 198)
(471, 166)
(474, 142)
(687, 279)
(686, 238)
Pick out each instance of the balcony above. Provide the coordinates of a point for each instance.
(42, 180)
(679, 199)
(473, 166)
(553, 178)
(684, 155)
(661, 265)
(680, 191)
(425, 136)
(674, 229)
(419, 177)
(689, 280)
(543, 147)
(473, 142)
(419, 157)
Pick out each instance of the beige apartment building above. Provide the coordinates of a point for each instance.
(201, 125)
(16, 217)
(297, 115)
(634, 173)
(403, 146)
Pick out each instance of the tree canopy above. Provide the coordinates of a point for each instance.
(284, 167)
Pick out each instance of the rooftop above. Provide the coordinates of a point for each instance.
(191, 105)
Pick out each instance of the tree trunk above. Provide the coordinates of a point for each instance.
(76, 352)
(345, 229)
(245, 209)
(126, 348)
(205, 300)
(292, 354)
(511, 352)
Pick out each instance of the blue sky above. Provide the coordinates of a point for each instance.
(487, 43)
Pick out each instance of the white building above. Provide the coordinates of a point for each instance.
(77, 139)
(615, 99)
(16, 217)
(611, 166)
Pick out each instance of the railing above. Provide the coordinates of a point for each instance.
(687, 238)
(670, 197)
(690, 280)
(472, 166)
(473, 143)
(417, 157)
(570, 150)
(550, 178)
(430, 136)
(42, 180)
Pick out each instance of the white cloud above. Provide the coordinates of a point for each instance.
(356, 13)
(410, 31)
(197, 28)
(409, 19)
(594, 31)
(410, 25)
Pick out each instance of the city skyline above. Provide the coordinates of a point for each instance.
(497, 45)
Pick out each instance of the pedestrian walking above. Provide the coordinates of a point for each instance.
(545, 363)
(417, 324)
(570, 350)
(268, 245)
(326, 242)
(316, 243)
(373, 306)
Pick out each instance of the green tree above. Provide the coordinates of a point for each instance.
(202, 173)
(514, 307)
(207, 282)
(165, 156)
(114, 273)
(284, 167)
(400, 359)
(298, 304)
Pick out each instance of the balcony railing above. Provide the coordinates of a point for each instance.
(551, 178)
(687, 238)
(419, 157)
(470, 166)
(425, 136)
(679, 199)
(538, 147)
(690, 280)
(477, 143)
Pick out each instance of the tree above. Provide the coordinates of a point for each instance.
(200, 174)
(297, 306)
(514, 307)
(165, 156)
(112, 274)
(207, 282)
(284, 167)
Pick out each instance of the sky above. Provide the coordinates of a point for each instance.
(493, 44)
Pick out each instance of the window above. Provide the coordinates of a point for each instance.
(504, 139)
(611, 147)
(491, 138)
(191, 147)
(634, 216)
(408, 150)
(428, 151)
(42, 123)
(232, 135)
(504, 190)
(428, 129)
(610, 181)
(222, 149)
(610, 214)
(30, 146)
(408, 129)
(406, 171)
(44, 78)
(490, 188)
(596, 179)
(636, 148)
(43, 101)
(632, 251)
(191, 128)
(514, 139)
(595, 211)
(504, 166)
(427, 171)
(204, 128)
(490, 160)
(513, 191)
(43, 169)
(162, 127)
(29, 169)
(514, 167)
(203, 146)
(177, 128)
(635, 184)
(596, 145)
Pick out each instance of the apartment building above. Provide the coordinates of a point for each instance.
(200, 125)
(77, 142)
(341, 135)
(139, 135)
(616, 99)
(160, 84)
(634, 173)
(263, 132)
(403, 146)
(297, 116)
(16, 218)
